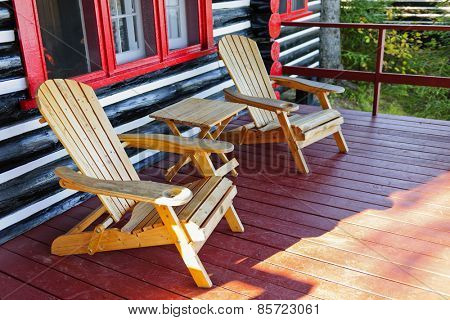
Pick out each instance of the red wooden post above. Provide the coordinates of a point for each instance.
(378, 70)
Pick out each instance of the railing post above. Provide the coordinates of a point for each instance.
(378, 70)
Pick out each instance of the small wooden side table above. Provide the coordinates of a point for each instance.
(204, 114)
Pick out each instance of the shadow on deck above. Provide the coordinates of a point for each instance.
(371, 224)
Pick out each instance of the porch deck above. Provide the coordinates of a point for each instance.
(372, 224)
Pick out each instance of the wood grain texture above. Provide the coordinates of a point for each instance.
(198, 112)
(76, 117)
(175, 144)
(246, 67)
(73, 111)
(271, 105)
(368, 225)
(142, 191)
(207, 115)
(270, 116)
(306, 85)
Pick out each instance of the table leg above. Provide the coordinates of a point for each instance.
(205, 166)
(216, 134)
(221, 127)
(185, 159)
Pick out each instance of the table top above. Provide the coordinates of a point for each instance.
(199, 112)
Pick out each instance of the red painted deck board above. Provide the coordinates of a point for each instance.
(47, 279)
(13, 289)
(372, 224)
(112, 281)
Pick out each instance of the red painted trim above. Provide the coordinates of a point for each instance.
(289, 6)
(276, 69)
(100, 82)
(378, 76)
(201, 22)
(275, 6)
(137, 71)
(340, 25)
(108, 42)
(290, 14)
(275, 51)
(208, 24)
(173, 54)
(163, 39)
(378, 70)
(30, 44)
(295, 15)
(274, 26)
(141, 63)
(34, 61)
(368, 76)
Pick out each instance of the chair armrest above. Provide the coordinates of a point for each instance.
(306, 85)
(141, 191)
(175, 144)
(273, 105)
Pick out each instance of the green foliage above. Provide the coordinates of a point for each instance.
(411, 52)
(359, 46)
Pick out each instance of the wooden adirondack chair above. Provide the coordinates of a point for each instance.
(271, 122)
(76, 117)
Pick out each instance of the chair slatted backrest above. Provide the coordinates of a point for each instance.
(75, 115)
(245, 65)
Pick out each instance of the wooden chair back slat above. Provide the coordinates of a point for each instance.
(73, 112)
(246, 67)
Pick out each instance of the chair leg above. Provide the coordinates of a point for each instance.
(173, 170)
(340, 141)
(338, 136)
(194, 264)
(233, 220)
(299, 159)
(203, 164)
(185, 248)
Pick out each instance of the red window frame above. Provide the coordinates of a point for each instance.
(290, 14)
(34, 60)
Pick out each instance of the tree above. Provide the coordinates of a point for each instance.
(330, 38)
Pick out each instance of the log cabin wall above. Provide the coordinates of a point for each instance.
(291, 46)
(29, 151)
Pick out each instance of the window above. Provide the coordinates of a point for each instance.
(128, 33)
(131, 35)
(293, 9)
(68, 50)
(101, 42)
(181, 14)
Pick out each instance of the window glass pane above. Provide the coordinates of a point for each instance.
(182, 23)
(133, 29)
(69, 36)
(121, 8)
(113, 7)
(283, 6)
(298, 4)
(173, 22)
(124, 35)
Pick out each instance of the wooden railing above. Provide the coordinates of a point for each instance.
(378, 76)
